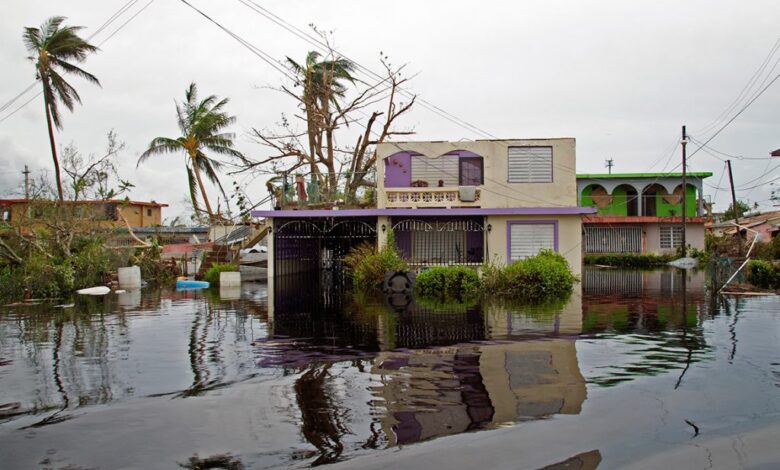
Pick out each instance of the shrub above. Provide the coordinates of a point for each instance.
(369, 265)
(212, 274)
(448, 283)
(45, 277)
(763, 274)
(534, 279)
(629, 260)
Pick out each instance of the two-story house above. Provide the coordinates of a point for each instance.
(642, 212)
(446, 203)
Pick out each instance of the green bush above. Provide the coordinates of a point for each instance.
(534, 279)
(763, 274)
(369, 265)
(448, 283)
(629, 260)
(212, 274)
(45, 277)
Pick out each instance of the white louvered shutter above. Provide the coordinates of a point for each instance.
(431, 170)
(529, 239)
(530, 165)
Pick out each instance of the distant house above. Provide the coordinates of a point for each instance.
(641, 212)
(137, 213)
(767, 225)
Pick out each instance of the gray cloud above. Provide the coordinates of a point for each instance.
(619, 76)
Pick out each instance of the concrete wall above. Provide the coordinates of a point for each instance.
(137, 215)
(497, 192)
(694, 235)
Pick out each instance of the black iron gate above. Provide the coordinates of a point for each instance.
(309, 255)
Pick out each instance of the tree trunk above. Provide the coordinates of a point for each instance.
(53, 145)
(203, 191)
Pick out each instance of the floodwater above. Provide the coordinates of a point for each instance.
(642, 369)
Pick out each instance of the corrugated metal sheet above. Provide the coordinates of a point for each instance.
(529, 239)
(623, 239)
(431, 170)
(530, 165)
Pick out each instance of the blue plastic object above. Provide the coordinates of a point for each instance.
(186, 284)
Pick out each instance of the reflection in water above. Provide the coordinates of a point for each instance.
(653, 317)
(584, 461)
(360, 375)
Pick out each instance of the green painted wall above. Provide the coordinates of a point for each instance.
(668, 210)
(619, 205)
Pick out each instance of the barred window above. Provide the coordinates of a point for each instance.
(671, 236)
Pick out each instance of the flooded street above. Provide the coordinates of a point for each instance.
(643, 369)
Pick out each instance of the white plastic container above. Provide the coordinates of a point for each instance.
(229, 279)
(129, 277)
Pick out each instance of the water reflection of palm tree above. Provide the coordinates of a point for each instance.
(322, 420)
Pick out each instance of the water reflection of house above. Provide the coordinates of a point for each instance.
(641, 212)
(433, 393)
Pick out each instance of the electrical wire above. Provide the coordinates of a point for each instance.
(317, 42)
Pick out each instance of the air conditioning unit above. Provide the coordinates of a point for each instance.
(468, 193)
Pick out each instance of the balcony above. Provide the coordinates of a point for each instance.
(430, 197)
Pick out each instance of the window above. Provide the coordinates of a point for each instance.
(529, 238)
(149, 212)
(5, 214)
(110, 211)
(471, 171)
(671, 236)
(434, 172)
(529, 165)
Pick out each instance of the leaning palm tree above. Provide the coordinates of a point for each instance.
(323, 84)
(54, 48)
(201, 124)
(322, 80)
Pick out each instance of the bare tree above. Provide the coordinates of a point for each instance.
(327, 113)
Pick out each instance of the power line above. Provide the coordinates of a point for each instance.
(317, 42)
(108, 22)
(262, 55)
(744, 90)
(758, 95)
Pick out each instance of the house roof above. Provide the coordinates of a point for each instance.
(694, 174)
(116, 201)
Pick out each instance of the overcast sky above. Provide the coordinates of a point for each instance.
(621, 77)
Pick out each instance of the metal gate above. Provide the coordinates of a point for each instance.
(613, 239)
(309, 255)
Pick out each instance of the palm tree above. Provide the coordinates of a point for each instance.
(54, 48)
(322, 82)
(201, 124)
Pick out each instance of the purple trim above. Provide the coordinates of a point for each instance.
(510, 223)
(425, 212)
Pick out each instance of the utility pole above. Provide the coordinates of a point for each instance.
(684, 142)
(609, 164)
(26, 174)
(734, 206)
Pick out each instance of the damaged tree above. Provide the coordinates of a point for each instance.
(321, 91)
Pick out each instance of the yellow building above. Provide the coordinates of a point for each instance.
(110, 213)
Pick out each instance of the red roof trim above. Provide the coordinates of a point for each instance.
(132, 203)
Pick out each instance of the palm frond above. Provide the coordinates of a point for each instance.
(70, 68)
(160, 145)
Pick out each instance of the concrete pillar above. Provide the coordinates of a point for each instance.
(381, 234)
